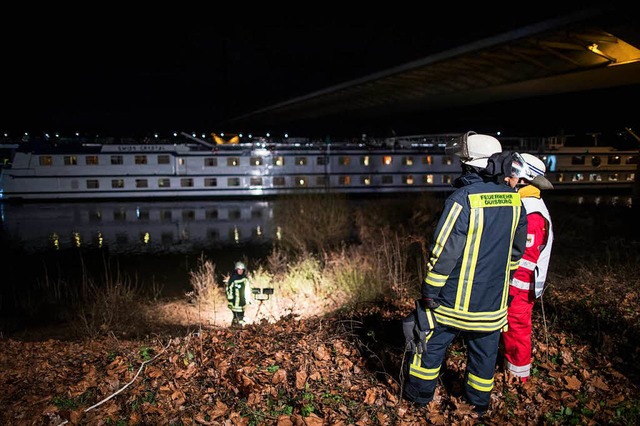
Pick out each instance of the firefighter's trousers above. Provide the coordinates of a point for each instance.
(481, 363)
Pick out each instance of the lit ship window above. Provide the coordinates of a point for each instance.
(613, 176)
(301, 161)
(164, 183)
(278, 161)
(407, 161)
(45, 160)
(93, 184)
(614, 159)
(387, 160)
(344, 180)
(446, 179)
(117, 183)
(91, 160)
(233, 161)
(344, 161)
(560, 177)
(595, 177)
(631, 176)
(407, 179)
(427, 160)
(140, 159)
(234, 181)
(210, 162)
(428, 179)
(365, 180)
(70, 160)
(210, 182)
(116, 159)
(301, 180)
(255, 181)
(387, 180)
(164, 159)
(596, 161)
(578, 177)
(142, 183)
(447, 160)
(256, 161)
(186, 182)
(366, 160)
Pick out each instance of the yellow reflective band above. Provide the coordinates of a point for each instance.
(432, 321)
(473, 316)
(483, 385)
(514, 264)
(435, 280)
(424, 373)
(516, 211)
(469, 259)
(494, 199)
(446, 229)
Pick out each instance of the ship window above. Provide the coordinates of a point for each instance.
(234, 234)
(257, 232)
(344, 180)
(631, 160)
(387, 160)
(74, 184)
(365, 160)
(301, 180)
(186, 182)
(213, 234)
(93, 184)
(614, 159)
(181, 161)
(164, 183)
(255, 181)
(165, 215)
(234, 181)
(427, 179)
(140, 159)
(595, 177)
(560, 177)
(91, 160)
(577, 159)
(365, 180)
(321, 161)
(163, 159)
(235, 214)
(256, 214)
(143, 214)
(631, 177)
(596, 161)
(301, 161)
(45, 160)
(211, 214)
(446, 179)
(117, 183)
(613, 176)
(407, 161)
(210, 162)
(322, 181)
(578, 177)
(278, 181)
(142, 183)
(122, 238)
(210, 182)
(387, 180)
(256, 161)
(233, 161)
(427, 160)
(344, 161)
(95, 216)
(188, 215)
(120, 215)
(278, 161)
(407, 179)
(447, 160)
(116, 159)
(70, 160)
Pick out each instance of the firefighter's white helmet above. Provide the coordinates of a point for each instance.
(240, 265)
(535, 171)
(474, 149)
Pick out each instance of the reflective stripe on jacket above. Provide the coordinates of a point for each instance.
(479, 240)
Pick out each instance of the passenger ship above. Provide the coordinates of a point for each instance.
(187, 166)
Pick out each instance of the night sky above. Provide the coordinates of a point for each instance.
(115, 71)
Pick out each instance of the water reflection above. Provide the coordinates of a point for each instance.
(125, 227)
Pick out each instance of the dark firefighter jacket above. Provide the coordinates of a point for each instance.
(479, 241)
(238, 292)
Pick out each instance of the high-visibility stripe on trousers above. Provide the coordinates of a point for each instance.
(517, 340)
(481, 363)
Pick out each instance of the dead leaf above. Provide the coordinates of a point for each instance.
(279, 376)
(301, 379)
(573, 383)
(313, 420)
(370, 396)
(284, 420)
(600, 384)
(321, 353)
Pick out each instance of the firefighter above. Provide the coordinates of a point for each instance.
(528, 282)
(238, 289)
(478, 242)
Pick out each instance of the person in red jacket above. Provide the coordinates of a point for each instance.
(528, 282)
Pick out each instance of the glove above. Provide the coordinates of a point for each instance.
(415, 339)
(428, 303)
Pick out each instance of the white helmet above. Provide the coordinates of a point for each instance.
(474, 149)
(240, 265)
(535, 172)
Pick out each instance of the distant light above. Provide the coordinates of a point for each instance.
(57, 135)
(286, 135)
(222, 134)
(6, 134)
(156, 135)
(46, 135)
(175, 134)
(193, 134)
(77, 134)
(240, 135)
(249, 135)
(204, 136)
(498, 133)
(26, 134)
(268, 134)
